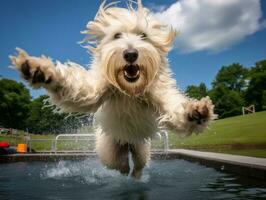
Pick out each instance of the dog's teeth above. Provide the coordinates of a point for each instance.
(129, 76)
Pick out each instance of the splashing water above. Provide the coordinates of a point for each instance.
(86, 172)
(88, 179)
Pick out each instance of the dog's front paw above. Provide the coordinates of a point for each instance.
(37, 71)
(200, 112)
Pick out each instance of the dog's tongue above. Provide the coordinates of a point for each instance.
(132, 70)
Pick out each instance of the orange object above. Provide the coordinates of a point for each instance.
(22, 148)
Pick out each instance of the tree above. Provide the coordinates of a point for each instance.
(260, 67)
(43, 120)
(256, 91)
(232, 77)
(227, 102)
(19, 112)
(40, 119)
(14, 104)
(228, 90)
(197, 92)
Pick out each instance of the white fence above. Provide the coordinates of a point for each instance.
(249, 109)
(86, 143)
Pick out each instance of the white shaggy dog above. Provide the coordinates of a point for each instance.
(128, 86)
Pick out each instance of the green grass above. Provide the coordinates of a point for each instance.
(21, 138)
(46, 145)
(243, 135)
(13, 139)
(248, 152)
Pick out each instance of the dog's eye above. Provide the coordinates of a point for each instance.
(117, 35)
(143, 36)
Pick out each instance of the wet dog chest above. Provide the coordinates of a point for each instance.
(130, 110)
(127, 119)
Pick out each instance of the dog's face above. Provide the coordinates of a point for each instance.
(129, 46)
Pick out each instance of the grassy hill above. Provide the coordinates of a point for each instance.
(242, 135)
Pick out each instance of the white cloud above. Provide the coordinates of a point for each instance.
(212, 24)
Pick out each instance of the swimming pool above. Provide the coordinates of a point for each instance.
(88, 179)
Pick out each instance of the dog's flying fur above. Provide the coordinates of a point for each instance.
(128, 86)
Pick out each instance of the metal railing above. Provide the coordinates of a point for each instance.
(76, 138)
(85, 137)
(30, 141)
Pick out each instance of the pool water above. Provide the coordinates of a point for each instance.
(163, 179)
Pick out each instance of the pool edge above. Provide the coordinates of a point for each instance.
(241, 165)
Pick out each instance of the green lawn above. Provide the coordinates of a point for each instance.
(21, 138)
(47, 145)
(243, 135)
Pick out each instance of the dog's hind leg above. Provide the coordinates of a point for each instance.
(140, 156)
(113, 154)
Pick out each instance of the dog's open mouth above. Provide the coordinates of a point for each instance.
(131, 73)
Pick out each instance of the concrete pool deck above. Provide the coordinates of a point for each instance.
(242, 165)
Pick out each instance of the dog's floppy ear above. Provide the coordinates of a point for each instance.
(162, 37)
(96, 28)
(94, 34)
(162, 34)
(169, 38)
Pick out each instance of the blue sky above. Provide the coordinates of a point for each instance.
(206, 42)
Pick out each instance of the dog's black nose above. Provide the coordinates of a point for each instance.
(130, 55)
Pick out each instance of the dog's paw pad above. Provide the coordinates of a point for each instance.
(38, 76)
(35, 74)
(199, 116)
(37, 71)
(200, 111)
(25, 69)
